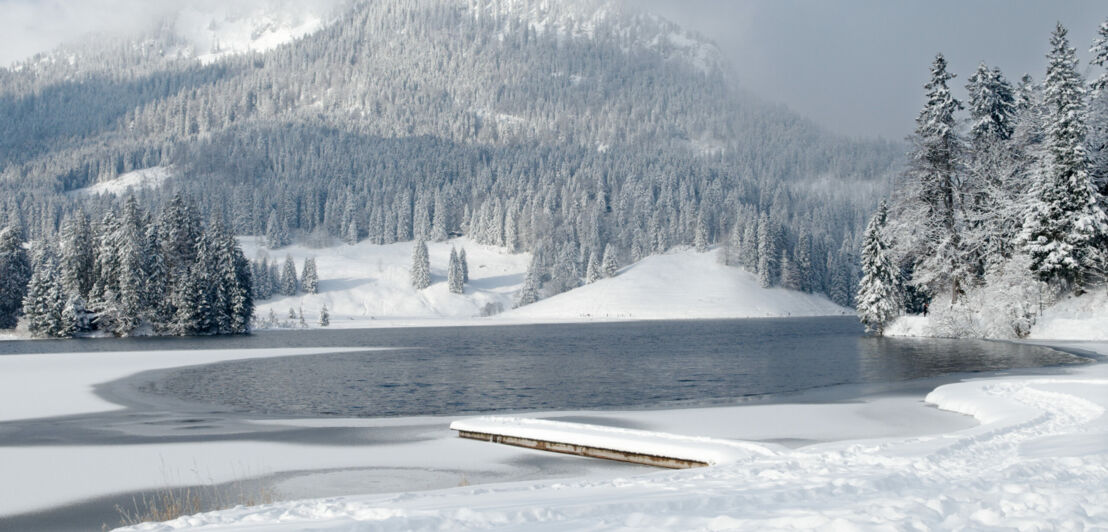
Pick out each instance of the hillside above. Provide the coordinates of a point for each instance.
(559, 128)
(368, 286)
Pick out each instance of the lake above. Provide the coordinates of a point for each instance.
(462, 370)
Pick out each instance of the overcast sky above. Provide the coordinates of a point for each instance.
(858, 66)
(855, 66)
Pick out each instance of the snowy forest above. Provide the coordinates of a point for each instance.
(1000, 211)
(410, 119)
(128, 273)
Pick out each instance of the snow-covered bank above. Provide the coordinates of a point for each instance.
(374, 455)
(1037, 461)
(1083, 318)
(368, 285)
(47, 385)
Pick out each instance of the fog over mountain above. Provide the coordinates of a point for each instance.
(779, 49)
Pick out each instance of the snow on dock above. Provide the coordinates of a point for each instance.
(611, 443)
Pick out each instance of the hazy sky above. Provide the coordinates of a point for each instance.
(858, 66)
(855, 66)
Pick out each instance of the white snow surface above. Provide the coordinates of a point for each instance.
(146, 178)
(367, 285)
(57, 384)
(1075, 318)
(679, 285)
(1038, 460)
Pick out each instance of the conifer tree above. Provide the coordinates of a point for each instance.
(934, 164)
(700, 239)
(324, 316)
(529, 292)
(289, 284)
(454, 274)
(609, 264)
(748, 253)
(878, 294)
(1065, 225)
(1098, 116)
(77, 256)
(768, 267)
(45, 300)
(464, 264)
(594, 271)
(421, 266)
(15, 273)
(309, 279)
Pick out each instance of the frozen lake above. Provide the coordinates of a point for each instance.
(238, 406)
(462, 370)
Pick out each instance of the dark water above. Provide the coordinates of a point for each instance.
(574, 366)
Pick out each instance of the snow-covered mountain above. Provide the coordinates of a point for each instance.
(556, 127)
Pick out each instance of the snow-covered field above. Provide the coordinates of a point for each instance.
(367, 285)
(1038, 460)
(146, 178)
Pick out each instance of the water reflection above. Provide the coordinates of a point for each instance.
(483, 369)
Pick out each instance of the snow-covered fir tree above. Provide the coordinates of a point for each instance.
(594, 271)
(290, 285)
(421, 266)
(324, 317)
(1065, 226)
(609, 265)
(1098, 115)
(45, 301)
(454, 274)
(464, 264)
(935, 165)
(15, 273)
(878, 299)
(529, 292)
(309, 279)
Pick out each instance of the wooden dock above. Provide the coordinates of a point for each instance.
(655, 449)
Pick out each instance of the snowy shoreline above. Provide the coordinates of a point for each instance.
(1003, 471)
(887, 421)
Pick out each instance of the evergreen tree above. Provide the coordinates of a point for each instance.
(324, 317)
(1099, 51)
(1065, 225)
(934, 165)
(748, 254)
(594, 271)
(790, 277)
(768, 267)
(77, 257)
(992, 107)
(700, 240)
(289, 284)
(45, 301)
(464, 264)
(529, 292)
(421, 266)
(309, 279)
(15, 273)
(609, 265)
(802, 259)
(454, 274)
(878, 295)
(1098, 115)
(986, 189)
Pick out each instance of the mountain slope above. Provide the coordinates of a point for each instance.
(556, 127)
